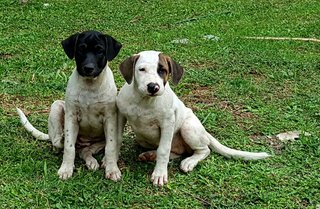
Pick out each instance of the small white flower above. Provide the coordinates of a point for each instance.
(211, 37)
(180, 41)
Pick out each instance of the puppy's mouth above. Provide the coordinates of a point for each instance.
(153, 94)
(89, 74)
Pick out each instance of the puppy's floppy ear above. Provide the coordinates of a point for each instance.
(69, 45)
(127, 68)
(175, 69)
(112, 46)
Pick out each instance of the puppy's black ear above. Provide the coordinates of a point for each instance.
(113, 47)
(175, 69)
(69, 45)
(127, 68)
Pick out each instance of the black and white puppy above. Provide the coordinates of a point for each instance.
(87, 119)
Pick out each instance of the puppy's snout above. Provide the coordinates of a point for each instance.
(153, 88)
(89, 68)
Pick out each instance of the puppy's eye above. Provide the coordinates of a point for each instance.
(142, 69)
(82, 47)
(161, 71)
(99, 50)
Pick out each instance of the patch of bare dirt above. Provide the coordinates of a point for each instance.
(273, 142)
(6, 56)
(205, 95)
(199, 95)
(256, 75)
(237, 110)
(29, 104)
(284, 91)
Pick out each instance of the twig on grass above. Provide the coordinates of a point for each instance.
(282, 38)
(203, 201)
(192, 19)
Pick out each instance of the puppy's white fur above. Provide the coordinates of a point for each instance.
(89, 115)
(164, 123)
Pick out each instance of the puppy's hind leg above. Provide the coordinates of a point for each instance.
(193, 134)
(87, 152)
(178, 147)
(56, 124)
(152, 156)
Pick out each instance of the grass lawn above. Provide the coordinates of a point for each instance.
(242, 89)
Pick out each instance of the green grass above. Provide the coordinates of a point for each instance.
(244, 90)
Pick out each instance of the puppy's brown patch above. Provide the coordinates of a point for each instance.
(171, 67)
(163, 68)
(127, 68)
(179, 146)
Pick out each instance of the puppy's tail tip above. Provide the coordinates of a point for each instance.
(255, 156)
(30, 128)
(236, 154)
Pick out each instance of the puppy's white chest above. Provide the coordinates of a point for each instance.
(90, 106)
(90, 109)
(144, 122)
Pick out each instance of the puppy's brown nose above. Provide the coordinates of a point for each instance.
(153, 88)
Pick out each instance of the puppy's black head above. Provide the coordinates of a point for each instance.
(91, 50)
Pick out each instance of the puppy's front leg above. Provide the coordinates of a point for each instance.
(71, 130)
(112, 148)
(159, 176)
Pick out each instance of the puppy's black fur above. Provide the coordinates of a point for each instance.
(91, 50)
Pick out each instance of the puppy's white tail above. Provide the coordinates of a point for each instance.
(232, 153)
(29, 127)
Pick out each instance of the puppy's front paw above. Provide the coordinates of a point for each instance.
(113, 172)
(65, 171)
(159, 177)
(92, 164)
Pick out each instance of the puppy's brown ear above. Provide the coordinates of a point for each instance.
(127, 68)
(175, 69)
(112, 46)
(69, 45)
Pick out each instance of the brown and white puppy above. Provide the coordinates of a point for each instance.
(160, 120)
(87, 119)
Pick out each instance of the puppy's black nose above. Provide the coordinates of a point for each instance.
(88, 68)
(153, 88)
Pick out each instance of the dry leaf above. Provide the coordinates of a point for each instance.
(291, 135)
